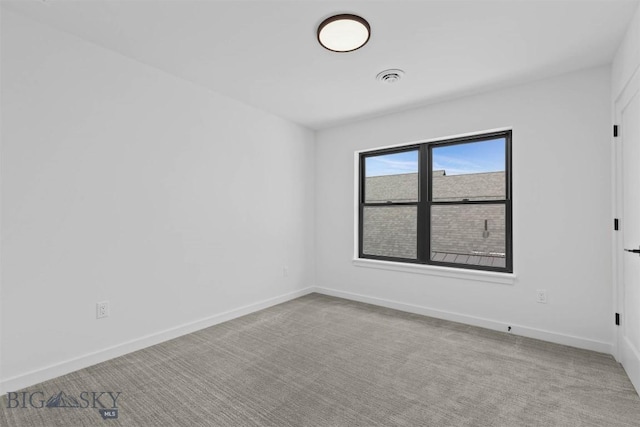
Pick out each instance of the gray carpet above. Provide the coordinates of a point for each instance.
(322, 361)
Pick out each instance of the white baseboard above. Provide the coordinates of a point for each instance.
(631, 362)
(39, 375)
(554, 337)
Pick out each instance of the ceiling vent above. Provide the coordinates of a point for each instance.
(390, 76)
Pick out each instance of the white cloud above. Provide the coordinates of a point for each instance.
(379, 166)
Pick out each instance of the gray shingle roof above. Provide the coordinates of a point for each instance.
(475, 233)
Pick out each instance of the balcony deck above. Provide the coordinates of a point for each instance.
(485, 260)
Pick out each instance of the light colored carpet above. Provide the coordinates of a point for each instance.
(323, 361)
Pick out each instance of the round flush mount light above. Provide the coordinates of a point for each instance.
(390, 76)
(344, 33)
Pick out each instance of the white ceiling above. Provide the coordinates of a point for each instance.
(265, 53)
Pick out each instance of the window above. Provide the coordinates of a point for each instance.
(444, 203)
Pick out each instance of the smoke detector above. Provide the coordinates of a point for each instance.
(390, 76)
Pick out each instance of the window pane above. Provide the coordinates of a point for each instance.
(390, 231)
(468, 234)
(469, 171)
(392, 178)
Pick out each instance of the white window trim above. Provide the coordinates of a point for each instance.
(430, 270)
(434, 270)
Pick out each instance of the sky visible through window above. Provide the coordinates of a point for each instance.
(392, 164)
(459, 159)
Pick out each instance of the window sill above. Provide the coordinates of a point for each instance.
(432, 270)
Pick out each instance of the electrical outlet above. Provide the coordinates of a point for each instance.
(102, 309)
(541, 296)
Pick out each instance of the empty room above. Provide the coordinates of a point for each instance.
(320, 213)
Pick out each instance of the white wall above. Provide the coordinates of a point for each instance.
(627, 58)
(561, 208)
(625, 64)
(123, 183)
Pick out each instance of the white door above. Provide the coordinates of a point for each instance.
(628, 146)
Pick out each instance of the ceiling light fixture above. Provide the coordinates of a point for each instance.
(344, 33)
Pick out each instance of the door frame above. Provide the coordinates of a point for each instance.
(631, 87)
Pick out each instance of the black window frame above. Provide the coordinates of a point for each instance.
(425, 202)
